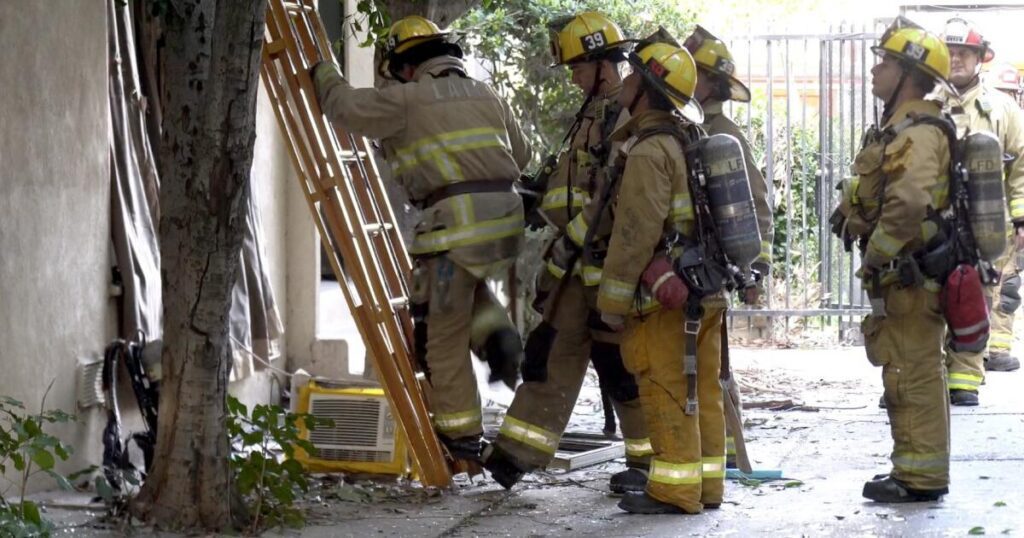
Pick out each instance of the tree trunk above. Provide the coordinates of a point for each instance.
(210, 67)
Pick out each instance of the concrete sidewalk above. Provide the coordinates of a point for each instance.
(826, 455)
(826, 449)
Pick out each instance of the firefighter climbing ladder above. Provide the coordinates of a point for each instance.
(356, 223)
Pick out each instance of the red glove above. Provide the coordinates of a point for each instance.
(665, 285)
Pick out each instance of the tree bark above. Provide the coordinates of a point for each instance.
(210, 78)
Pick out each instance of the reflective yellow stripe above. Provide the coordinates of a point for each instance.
(440, 149)
(999, 340)
(530, 435)
(730, 446)
(1016, 209)
(674, 473)
(460, 236)
(713, 467)
(462, 420)
(963, 381)
(681, 208)
(462, 207)
(885, 243)
(920, 463)
(591, 275)
(617, 290)
(577, 229)
(558, 198)
(639, 447)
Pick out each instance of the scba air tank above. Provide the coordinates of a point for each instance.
(986, 197)
(732, 206)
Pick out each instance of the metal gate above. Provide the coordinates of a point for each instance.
(812, 102)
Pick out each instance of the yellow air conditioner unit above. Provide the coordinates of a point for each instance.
(365, 437)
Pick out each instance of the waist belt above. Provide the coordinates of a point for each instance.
(465, 187)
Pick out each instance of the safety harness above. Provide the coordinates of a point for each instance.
(703, 264)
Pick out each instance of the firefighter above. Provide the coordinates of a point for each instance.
(979, 107)
(717, 83)
(592, 46)
(653, 202)
(455, 147)
(901, 179)
(1006, 78)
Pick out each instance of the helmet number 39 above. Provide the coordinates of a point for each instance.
(593, 41)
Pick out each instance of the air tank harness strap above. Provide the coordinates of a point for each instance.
(691, 326)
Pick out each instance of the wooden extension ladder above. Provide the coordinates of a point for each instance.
(356, 223)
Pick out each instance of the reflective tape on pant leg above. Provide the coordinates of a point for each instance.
(730, 446)
(637, 448)
(675, 474)
(459, 421)
(963, 381)
(713, 467)
(921, 463)
(529, 435)
(1000, 341)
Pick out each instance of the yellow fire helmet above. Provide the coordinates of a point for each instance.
(408, 33)
(712, 56)
(672, 71)
(918, 48)
(411, 31)
(583, 37)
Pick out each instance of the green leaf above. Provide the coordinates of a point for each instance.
(236, 407)
(976, 531)
(104, 489)
(793, 484)
(252, 438)
(999, 504)
(62, 482)
(19, 461)
(30, 512)
(62, 451)
(43, 458)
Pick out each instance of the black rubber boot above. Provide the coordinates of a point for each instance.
(1001, 362)
(642, 503)
(963, 397)
(503, 351)
(502, 467)
(465, 448)
(891, 490)
(629, 481)
(881, 402)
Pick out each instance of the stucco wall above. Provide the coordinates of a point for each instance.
(54, 204)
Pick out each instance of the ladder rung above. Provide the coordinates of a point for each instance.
(352, 156)
(292, 6)
(275, 48)
(376, 228)
(399, 302)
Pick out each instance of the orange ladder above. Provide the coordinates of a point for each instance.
(356, 223)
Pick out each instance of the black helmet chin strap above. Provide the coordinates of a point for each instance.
(636, 99)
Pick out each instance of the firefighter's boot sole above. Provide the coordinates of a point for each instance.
(503, 470)
(642, 503)
(1001, 363)
(965, 398)
(890, 490)
(628, 481)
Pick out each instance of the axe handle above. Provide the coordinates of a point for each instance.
(733, 422)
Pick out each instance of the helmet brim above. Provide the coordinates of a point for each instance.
(692, 111)
(738, 91)
(942, 82)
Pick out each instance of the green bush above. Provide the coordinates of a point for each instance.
(268, 484)
(28, 450)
